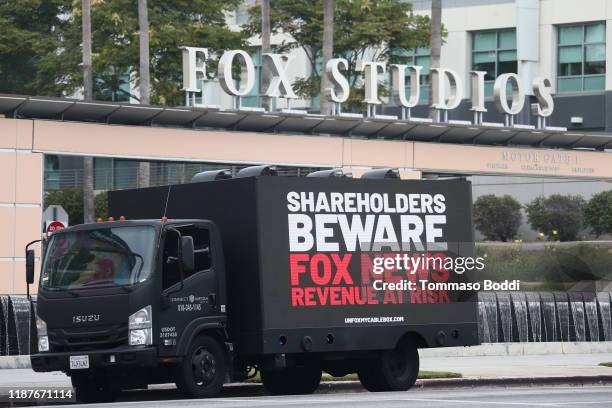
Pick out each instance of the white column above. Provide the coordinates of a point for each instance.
(527, 41)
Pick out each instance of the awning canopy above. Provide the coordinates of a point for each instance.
(296, 122)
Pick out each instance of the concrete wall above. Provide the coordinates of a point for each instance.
(20, 200)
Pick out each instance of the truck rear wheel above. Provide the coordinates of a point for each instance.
(202, 372)
(291, 381)
(92, 390)
(393, 370)
(370, 377)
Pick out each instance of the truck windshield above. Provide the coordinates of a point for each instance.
(96, 258)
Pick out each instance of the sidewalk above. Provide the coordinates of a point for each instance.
(526, 366)
(476, 371)
(482, 350)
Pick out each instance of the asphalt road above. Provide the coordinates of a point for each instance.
(586, 396)
(353, 396)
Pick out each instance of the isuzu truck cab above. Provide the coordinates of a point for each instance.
(206, 283)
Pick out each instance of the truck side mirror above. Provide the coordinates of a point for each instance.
(30, 255)
(187, 254)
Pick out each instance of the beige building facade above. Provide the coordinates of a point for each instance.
(24, 142)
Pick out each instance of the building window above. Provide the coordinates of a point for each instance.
(582, 57)
(52, 172)
(125, 174)
(495, 53)
(112, 87)
(422, 57)
(103, 173)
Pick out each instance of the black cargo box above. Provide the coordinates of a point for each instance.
(299, 265)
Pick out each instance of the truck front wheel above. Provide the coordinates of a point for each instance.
(393, 370)
(202, 372)
(291, 381)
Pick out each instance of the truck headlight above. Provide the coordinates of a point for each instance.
(141, 330)
(43, 338)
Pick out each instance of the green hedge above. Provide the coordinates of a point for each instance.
(547, 265)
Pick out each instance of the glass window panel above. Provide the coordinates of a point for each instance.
(507, 56)
(509, 91)
(569, 84)
(488, 88)
(103, 173)
(570, 69)
(249, 101)
(594, 83)
(401, 52)
(507, 39)
(52, 175)
(507, 67)
(483, 57)
(570, 34)
(488, 67)
(595, 59)
(423, 51)
(595, 33)
(485, 41)
(424, 94)
(595, 52)
(51, 162)
(125, 174)
(595, 67)
(403, 60)
(425, 62)
(425, 79)
(570, 54)
(124, 94)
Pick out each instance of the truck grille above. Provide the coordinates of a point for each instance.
(88, 338)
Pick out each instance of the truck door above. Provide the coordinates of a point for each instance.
(195, 296)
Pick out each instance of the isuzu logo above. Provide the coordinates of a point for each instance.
(86, 318)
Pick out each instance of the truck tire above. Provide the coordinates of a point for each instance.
(93, 390)
(369, 377)
(291, 381)
(202, 372)
(393, 370)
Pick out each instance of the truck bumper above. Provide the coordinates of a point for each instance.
(119, 357)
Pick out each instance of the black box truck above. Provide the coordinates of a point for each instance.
(205, 283)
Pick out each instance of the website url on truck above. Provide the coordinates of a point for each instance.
(380, 319)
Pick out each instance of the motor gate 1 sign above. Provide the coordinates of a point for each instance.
(368, 248)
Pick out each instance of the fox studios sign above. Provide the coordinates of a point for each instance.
(447, 86)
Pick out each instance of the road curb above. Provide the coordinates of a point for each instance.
(331, 386)
(509, 381)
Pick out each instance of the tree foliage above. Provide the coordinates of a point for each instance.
(497, 218)
(557, 216)
(598, 213)
(30, 34)
(363, 30)
(57, 50)
(72, 201)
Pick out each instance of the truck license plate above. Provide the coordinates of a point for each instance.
(79, 362)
